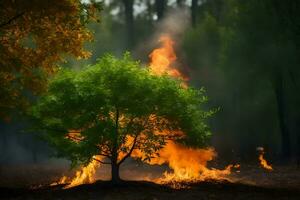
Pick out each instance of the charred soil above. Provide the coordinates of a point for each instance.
(137, 190)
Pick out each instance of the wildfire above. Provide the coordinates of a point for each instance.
(262, 160)
(84, 175)
(187, 164)
(162, 59)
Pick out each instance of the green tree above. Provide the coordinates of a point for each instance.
(117, 107)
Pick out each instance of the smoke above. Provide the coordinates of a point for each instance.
(176, 21)
(174, 24)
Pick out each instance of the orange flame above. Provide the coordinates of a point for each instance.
(162, 59)
(187, 164)
(84, 175)
(263, 161)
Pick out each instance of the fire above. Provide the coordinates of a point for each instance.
(262, 160)
(187, 164)
(162, 59)
(84, 175)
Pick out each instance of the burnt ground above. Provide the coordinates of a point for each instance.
(138, 190)
(252, 182)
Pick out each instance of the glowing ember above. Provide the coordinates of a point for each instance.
(262, 160)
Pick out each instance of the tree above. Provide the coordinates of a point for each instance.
(128, 5)
(194, 9)
(34, 37)
(268, 51)
(237, 57)
(114, 108)
(160, 8)
(180, 3)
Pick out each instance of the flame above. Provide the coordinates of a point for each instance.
(162, 59)
(263, 161)
(187, 164)
(84, 175)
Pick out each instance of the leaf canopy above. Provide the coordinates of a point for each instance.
(118, 99)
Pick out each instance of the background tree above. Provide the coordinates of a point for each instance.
(34, 36)
(128, 5)
(118, 107)
(237, 51)
(160, 8)
(194, 7)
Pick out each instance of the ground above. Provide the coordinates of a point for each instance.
(252, 182)
(138, 190)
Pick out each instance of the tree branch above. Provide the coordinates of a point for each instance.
(127, 129)
(103, 154)
(100, 161)
(130, 151)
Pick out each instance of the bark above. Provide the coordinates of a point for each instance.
(128, 5)
(194, 12)
(115, 176)
(160, 8)
(281, 107)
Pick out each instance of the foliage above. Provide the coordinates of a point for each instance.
(114, 101)
(247, 58)
(34, 37)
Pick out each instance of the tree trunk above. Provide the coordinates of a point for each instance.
(115, 175)
(160, 8)
(180, 3)
(281, 107)
(128, 5)
(194, 12)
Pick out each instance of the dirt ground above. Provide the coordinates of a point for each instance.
(251, 182)
(137, 190)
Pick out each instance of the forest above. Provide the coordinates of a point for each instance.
(187, 99)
